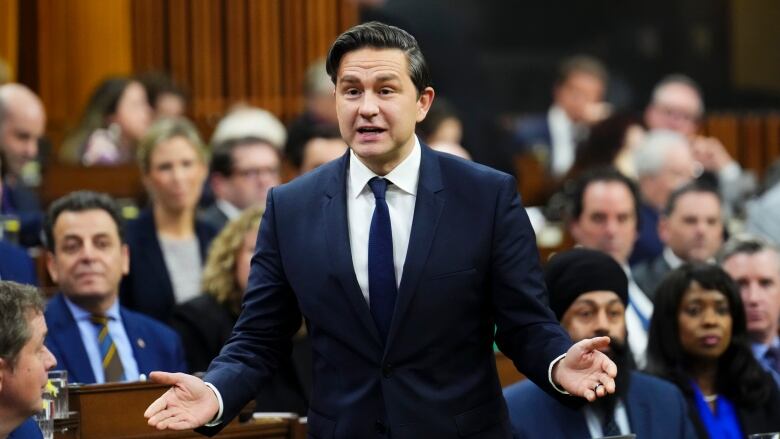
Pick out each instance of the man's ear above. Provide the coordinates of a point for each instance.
(663, 229)
(424, 103)
(51, 267)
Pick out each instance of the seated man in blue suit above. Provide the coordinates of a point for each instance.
(94, 338)
(16, 265)
(588, 293)
(24, 359)
(403, 261)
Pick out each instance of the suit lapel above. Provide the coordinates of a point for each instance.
(64, 331)
(335, 212)
(135, 335)
(427, 211)
(639, 412)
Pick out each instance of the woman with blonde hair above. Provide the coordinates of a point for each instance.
(168, 244)
(206, 322)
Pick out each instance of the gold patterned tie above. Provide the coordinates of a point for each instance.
(112, 364)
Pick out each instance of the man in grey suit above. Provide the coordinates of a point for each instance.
(691, 229)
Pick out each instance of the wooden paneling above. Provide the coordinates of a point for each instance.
(9, 35)
(80, 42)
(239, 51)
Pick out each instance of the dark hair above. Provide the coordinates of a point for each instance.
(596, 175)
(603, 144)
(745, 244)
(581, 64)
(739, 377)
(380, 36)
(80, 201)
(16, 301)
(440, 110)
(222, 154)
(159, 83)
(694, 186)
(102, 103)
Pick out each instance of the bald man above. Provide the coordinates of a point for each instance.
(22, 124)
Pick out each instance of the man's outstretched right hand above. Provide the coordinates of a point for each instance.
(188, 404)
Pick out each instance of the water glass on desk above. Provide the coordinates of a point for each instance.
(58, 390)
(45, 419)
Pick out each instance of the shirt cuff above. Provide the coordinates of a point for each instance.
(549, 377)
(218, 419)
(730, 172)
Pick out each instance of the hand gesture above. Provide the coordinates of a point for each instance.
(711, 153)
(585, 371)
(188, 404)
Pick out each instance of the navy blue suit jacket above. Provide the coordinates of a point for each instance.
(472, 266)
(148, 288)
(656, 409)
(155, 346)
(532, 136)
(27, 430)
(16, 265)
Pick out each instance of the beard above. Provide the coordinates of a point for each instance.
(621, 356)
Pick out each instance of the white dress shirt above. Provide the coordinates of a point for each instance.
(640, 307)
(562, 133)
(89, 337)
(401, 197)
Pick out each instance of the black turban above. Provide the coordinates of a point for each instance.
(572, 273)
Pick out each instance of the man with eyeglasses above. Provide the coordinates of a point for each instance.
(242, 171)
(677, 105)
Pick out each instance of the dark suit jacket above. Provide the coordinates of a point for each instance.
(532, 136)
(155, 346)
(214, 216)
(204, 326)
(147, 288)
(472, 267)
(648, 245)
(16, 265)
(22, 201)
(656, 409)
(649, 274)
(27, 430)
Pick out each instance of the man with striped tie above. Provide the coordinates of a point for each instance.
(94, 338)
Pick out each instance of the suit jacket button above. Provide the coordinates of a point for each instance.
(387, 370)
(380, 427)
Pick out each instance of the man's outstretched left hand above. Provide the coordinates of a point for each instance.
(586, 371)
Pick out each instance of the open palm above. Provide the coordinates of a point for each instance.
(188, 404)
(586, 371)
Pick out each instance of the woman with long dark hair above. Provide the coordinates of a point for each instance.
(698, 340)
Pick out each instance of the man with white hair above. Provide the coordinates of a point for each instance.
(245, 163)
(677, 105)
(663, 162)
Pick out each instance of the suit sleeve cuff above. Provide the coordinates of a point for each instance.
(549, 377)
(218, 418)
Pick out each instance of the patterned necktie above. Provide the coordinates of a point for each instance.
(772, 357)
(112, 364)
(381, 269)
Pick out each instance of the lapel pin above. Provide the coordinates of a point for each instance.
(141, 343)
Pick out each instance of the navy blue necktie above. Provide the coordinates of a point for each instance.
(381, 269)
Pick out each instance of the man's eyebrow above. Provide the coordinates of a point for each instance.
(388, 77)
(349, 79)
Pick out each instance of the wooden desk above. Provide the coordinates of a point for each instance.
(116, 411)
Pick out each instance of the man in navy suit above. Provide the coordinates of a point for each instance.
(16, 265)
(577, 103)
(24, 359)
(589, 293)
(404, 262)
(94, 338)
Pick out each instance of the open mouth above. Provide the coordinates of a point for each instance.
(370, 130)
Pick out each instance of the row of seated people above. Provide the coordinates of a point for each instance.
(702, 380)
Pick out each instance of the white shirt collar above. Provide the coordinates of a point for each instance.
(230, 211)
(559, 119)
(405, 176)
(672, 259)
